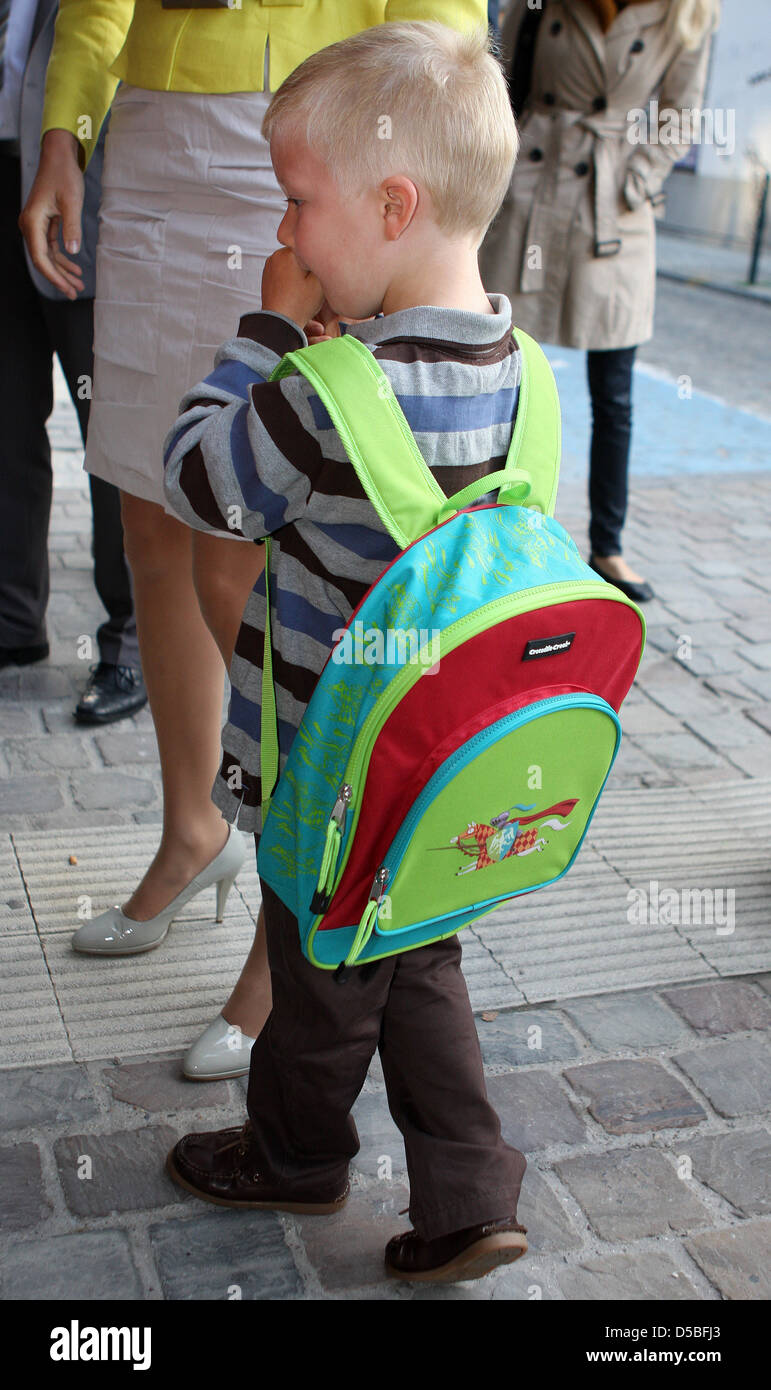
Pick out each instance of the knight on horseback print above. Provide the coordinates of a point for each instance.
(501, 837)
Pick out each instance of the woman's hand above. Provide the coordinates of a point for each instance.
(55, 202)
(290, 290)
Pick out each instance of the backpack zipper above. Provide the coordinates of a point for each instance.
(335, 831)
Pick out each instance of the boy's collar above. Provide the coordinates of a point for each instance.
(428, 321)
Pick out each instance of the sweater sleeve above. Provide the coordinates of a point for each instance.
(88, 37)
(681, 88)
(236, 458)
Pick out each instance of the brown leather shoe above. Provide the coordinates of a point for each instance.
(216, 1166)
(466, 1254)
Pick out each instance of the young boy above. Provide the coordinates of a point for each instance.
(394, 149)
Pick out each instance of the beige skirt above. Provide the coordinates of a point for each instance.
(189, 214)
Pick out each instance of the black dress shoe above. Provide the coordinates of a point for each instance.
(23, 656)
(639, 591)
(113, 692)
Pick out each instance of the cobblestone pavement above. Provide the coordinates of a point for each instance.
(628, 1058)
(641, 1113)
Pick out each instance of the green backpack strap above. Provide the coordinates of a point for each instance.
(396, 477)
(377, 439)
(536, 442)
(537, 439)
(384, 452)
(268, 716)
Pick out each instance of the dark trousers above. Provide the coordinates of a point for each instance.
(610, 388)
(311, 1059)
(33, 329)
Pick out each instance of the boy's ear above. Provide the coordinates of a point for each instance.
(399, 204)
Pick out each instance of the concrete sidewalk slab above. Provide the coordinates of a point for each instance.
(32, 1029)
(608, 925)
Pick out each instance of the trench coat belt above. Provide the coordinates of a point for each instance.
(605, 129)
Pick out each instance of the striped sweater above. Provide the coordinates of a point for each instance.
(257, 458)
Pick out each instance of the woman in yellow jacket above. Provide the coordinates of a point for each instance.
(189, 214)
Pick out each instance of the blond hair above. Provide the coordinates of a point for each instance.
(418, 99)
(692, 20)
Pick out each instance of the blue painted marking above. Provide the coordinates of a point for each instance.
(669, 435)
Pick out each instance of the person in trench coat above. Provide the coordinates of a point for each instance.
(573, 246)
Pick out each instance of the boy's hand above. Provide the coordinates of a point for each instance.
(323, 326)
(290, 290)
(315, 332)
(326, 325)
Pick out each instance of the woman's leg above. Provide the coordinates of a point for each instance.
(250, 1000)
(609, 375)
(225, 572)
(184, 678)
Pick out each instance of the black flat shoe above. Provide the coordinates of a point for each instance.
(639, 591)
(113, 692)
(23, 656)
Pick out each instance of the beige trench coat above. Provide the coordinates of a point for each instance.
(580, 186)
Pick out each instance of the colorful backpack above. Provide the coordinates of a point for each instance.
(459, 736)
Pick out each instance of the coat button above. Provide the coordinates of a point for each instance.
(555, 28)
(637, 46)
(549, 98)
(599, 104)
(581, 167)
(536, 154)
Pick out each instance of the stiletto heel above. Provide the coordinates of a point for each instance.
(112, 933)
(223, 889)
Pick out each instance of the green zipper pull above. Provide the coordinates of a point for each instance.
(369, 916)
(334, 838)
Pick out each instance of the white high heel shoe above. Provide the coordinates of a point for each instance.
(114, 934)
(221, 1051)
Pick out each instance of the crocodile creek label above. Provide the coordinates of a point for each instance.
(548, 646)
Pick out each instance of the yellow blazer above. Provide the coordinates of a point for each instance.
(99, 42)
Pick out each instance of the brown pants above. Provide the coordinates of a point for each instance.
(311, 1059)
